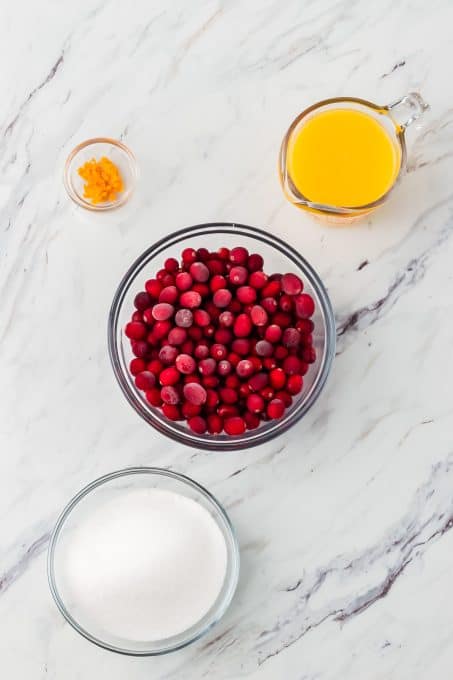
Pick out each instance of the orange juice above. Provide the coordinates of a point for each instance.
(342, 157)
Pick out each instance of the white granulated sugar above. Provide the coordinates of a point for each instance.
(146, 565)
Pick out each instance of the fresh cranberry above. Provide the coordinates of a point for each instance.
(184, 318)
(207, 366)
(218, 351)
(189, 410)
(232, 381)
(145, 380)
(257, 363)
(282, 319)
(234, 425)
(224, 367)
(171, 411)
(169, 376)
(305, 326)
(203, 254)
(241, 346)
(142, 301)
(273, 333)
(210, 381)
(155, 366)
(267, 392)
(258, 315)
(194, 393)
(291, 284)
(201, 288)
(209, 330)
(258, 381)
(215, 423)
(255, 403)
(251, 420)
(294, 384)
(271, 289)
(244, 390)
(235, 307)
(258, 280)
(137, 366)
(223, 336)
(246, 295)
(197, 424)
(199, 272)
(275, 408)
(212, 398)
(238, 276)
(245, 368)
(169, 294)
(305, 306)
(188, 256)
(269, 304)
(171, 265)
(222, 298)
(195, 333)
(255, 262)
(269, 363)
(285, 303)
(234, 358)
(242, 326)
(140, 348)
(216, 267)
(201, 318)
(190, 299)
(201, 351)
(153, 396)
(153, 288)
(135, 330)
(280, 352)
(285, 397)
(217, 283)
(277, 378)
(183, 281)
(138, 316)
(227, 410)
(228, 395)
(292, 365)
(224, 253)
(309, 355)
(177, 336)
(161, 329)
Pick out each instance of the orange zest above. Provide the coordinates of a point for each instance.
(103, 181)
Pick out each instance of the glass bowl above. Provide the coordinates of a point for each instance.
(278, 257)
(118, 153)
(81, 507)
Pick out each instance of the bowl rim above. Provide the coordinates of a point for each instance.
(234, 555)
(251, 437)
(100, 207)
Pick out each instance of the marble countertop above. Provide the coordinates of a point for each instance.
(344, 522)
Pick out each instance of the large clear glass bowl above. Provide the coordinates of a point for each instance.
(80, 509)
(278, 257)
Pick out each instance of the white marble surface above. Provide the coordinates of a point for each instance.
(344, 523)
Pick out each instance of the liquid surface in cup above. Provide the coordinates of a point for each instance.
(342, 157)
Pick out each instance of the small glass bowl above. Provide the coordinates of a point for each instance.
(82, 506)
(278, 257)
(118, 153)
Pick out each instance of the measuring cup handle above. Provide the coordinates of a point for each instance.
(407, 109)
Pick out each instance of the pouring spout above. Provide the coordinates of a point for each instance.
(409, 108)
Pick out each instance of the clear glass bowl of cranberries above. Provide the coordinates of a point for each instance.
(221, 336)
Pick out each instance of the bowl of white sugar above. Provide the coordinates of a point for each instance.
(143, 561)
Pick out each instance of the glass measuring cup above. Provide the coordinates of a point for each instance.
(393, 119)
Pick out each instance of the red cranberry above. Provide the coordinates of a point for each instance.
(215, 423)
(234, 358)
(215, 267)
(242, 326)
(282, 319)
(212, 398)
(244, 390)
(305, 306)
(201, 351)
(177, 336)
(217, 282)
(258, 315)
(169, 395)
(245, 368)
(171, 411)
(153, 396)
(197, 424)
(258, 280)
(224, 253)
(269, 363)
(169, 376)
(189, 410)
(277, 378)
(155, 366)
(168, 280)
(153, 288)
(190, 299)
(201, 318)
(267, 392)
(194, 393)
(255, 403)
(171, 265)
(284, 396)
(238, 275)
(235, 307)
(291, 284)
(137, 366)
(145, 380)
(140, 348)
(142, 301)
(193, 377)
(223, 336)
(309, 355)
(271, 289)
(232, 381)
(138, 316)
(167, 355)
(203, 254)
(226, 319)
(185, 364)
(228, 395)
(201, 288)
(285, 303)
(257, 363)
(195, 333)
(224, 367)
(246, 294)
(241, 346)
(264, 348)
(163, 311)
(280, 352)
(305, 326)
(218, 351)
(291, 337)
(234, 425)
(188, 255)
(209, 331)
(275, 408)
(199, 272)
(292, 365)
(169, 294)
(183, 281)
(294, 384)
(210, 381)
(227, 410)
(258, 381)
(222, 298)
(239, 255)
(135, 330)
(207, 366)
(251, 420)
(161, 329)
(273, 333)
(255, 262)
(269, 304)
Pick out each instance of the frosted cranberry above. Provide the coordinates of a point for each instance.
(291, 365)
(234, 307)
(273, 333)
(258, 280)
(255, 403)
(241, 346)
(185, 364)
(275, 408)
(232, 381)
(145, 380)
(169, 376)
(201, 351)
(282, 319)
(234, 426)
(222, 298)
(201, 288)
(177, 336)
(215, 423)
(203, 254)
(140, 348)
(271, 289)
(194, 393)
(251, 420)
(137, 366)
(309, 355)
(215, 267)
(212, 398)
(291, 337)
(142, 301)
(284, 396)
(195, 333)
(163, 311)
(224, 367)
(161, 329)
(199, 272)
(201, 317)
(267, 393)
(254, 262)
(188, 256)
(207, 366)
(269, 304)
(210, 381)
(269, 363)
(209, 331)
(277, 378)
(153, 396)
(246, 295)
(169, 395)
(294, 384)
(280, 352)
(234, 358)
(258, 381)
(171, 411)
(223, 336)
(223, 253)
(305, 306)
(153, 288)
(244, 390)
(135, 330)
(226, 319)
(183, 281)
(190, 299)
(218, 351)
(242, 326)
(169, 294)
(227, 410)
(245, 368)
(305, 326)
(184, 318)
(239, 255)
(238, 275)
(217, 282)
(189, 410)
(291, 284)
(138, 316)
(168, 354)
(197, 424)
(187, 347)
(285, 303)
(155, 366)
(258, 315)
(264, 348)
